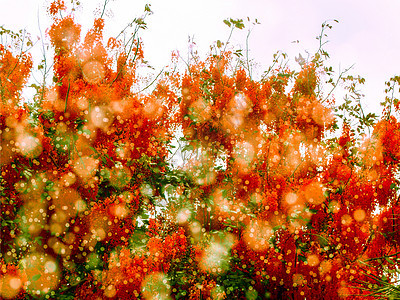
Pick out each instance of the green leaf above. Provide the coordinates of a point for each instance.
(227, 23)
(147, 8)
(238, 23)
(302, 258)
(36, 277)
(389, 261)
(188, 148)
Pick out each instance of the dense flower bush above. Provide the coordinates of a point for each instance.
(273, 197)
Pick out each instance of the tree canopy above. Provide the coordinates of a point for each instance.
(201, 183)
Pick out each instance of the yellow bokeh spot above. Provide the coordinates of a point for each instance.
(298, 279)
(56, 228)
(243, 154)
(291, 198)
(110, 291)
(64, 200)
(202, 169)
(334, 206)
(82, 103)
(183, 216)
(80, 205)
(314, 193)
(33, 217)
(85, 167)
(50, 266)
(322, 115)
(41, 271)
(68, 179)
(101, 117)
(153, 108)
(324, 267)
(195, 228)
(120, 176)
(200, 111)
(313, 260)
(10, 286)
(359, 215)
(257, 235)
(119, 211)
(29, 145)
(93, 72)
(238, 109)
(346, 220)
(156, 286)
(343, 292)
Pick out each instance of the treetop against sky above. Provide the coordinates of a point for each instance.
(365, 36)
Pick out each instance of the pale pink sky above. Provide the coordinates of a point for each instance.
(367, 34)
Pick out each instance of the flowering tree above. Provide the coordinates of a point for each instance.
(268, 201)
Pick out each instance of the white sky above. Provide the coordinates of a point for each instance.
(367, 35)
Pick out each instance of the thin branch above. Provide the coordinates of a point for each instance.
(104, 8)
(151, 83)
